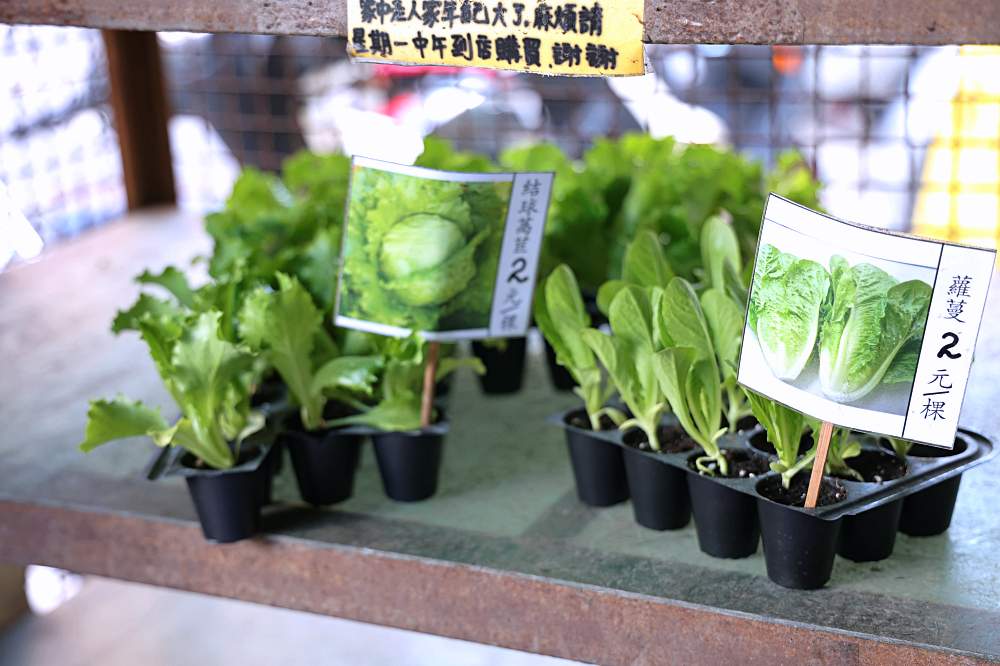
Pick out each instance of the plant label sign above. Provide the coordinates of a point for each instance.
(863, 327)
(449, 255)
(588, 38)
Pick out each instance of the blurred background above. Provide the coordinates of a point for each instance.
(901, 137)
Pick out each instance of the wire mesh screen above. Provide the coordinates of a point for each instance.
(58, 150)
(903, 137)
(865, 118)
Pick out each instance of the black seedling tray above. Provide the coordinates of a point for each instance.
(861, 496)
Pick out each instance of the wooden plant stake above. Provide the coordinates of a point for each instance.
(819, 464)
(430, 372)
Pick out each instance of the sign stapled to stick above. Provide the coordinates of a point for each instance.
(862, 327)
(590, 38)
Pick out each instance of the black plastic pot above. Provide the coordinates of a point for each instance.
(870, 535)
(598, 468)
(504, 365)
(409, 463)
(227, 501)
(659, 492)
(928, 512)
(560, 377)
(799, 547)
(725, 519)
(324, 462)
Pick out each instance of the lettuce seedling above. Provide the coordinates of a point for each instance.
(644, 266)
(785, 428)
(286, 328)
(628, 356)
(901, 447)
(207, 377)
(401, 385)
(842, 447)
(870, 321)
(688, 372)
(724, 305)
(785, 306)
(562, 318)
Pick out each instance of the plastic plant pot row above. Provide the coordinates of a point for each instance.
(799, 543)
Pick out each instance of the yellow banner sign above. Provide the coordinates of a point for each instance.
(586, 38)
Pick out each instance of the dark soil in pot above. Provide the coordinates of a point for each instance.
(726, 519)
(325, 461)
(227, 502)
(659, 491)
(409, 463)
(560, 377)
(598, 466)
(875, 467)
(760, 444)
(745, 424)
(799, 548)
(504, 365)
(928, 512)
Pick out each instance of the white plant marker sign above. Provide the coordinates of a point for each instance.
(448, 255)
(862, 327)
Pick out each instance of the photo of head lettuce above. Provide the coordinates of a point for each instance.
(419, 253)
(839, 324)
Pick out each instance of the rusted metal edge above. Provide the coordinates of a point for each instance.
(460, 601)
(667, 21)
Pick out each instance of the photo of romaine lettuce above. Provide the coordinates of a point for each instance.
(421, 253)
(871, 318)
(835, 323)
(785, 305)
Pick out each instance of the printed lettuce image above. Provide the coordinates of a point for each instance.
(785, 306)
(871, 332)
(421, 254)
(841, 332)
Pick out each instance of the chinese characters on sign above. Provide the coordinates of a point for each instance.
(595, 37)
(963, 279)
(522, 241)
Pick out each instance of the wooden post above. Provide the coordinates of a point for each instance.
(430, 373)
(13, 603)
(139, 103)
(819, 464)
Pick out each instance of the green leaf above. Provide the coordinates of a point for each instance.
(785, 427)
(720, 251)
(284, 325)
(145, 306)
(173, 281)
(631, 316)
(725, 323)
(354, 374)
(206, 369)
(645, 264)
(561, 316)
(108, 420)
(399, 415)
(685, 321)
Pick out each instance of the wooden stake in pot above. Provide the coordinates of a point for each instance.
(430, 372)
(819, 464)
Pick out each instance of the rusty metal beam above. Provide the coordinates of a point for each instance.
(460, 601)
(667, 21)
